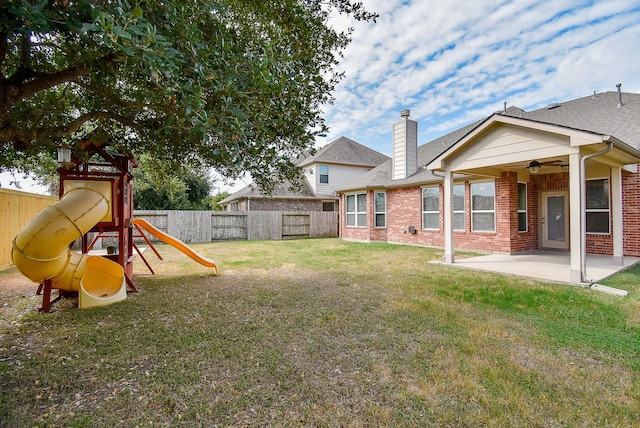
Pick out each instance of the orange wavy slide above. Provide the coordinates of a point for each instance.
(175, 242)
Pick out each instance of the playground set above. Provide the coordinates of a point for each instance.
(96, 195)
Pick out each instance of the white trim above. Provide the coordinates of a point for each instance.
(526, 207)
(483, 211)
(464, 207)
(600, 210)
(355, 213)
(376, 213)
(422, 189)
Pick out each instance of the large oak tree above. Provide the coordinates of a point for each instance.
(237, 85)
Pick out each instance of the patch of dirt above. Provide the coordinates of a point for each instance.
(17, 298)
(13, 284)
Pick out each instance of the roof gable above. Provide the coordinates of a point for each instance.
(504, 139)
(345, 151)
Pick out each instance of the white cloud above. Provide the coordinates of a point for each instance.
(457, 61)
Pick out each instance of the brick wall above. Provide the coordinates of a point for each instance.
(404, 209)
(631, 214)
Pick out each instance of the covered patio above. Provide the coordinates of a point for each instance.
(548, 266)
(508, 148)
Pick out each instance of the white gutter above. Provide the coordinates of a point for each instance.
(583, 211)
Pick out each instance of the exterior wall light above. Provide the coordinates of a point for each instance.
(534, 167)
(64, 155)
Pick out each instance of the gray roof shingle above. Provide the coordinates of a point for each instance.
(345, 151)
(598, 114)
(280, 191)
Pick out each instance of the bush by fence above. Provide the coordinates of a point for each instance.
(16, 210)
(208, 226)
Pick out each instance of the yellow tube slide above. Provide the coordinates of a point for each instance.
(41, 250)
(175, 242)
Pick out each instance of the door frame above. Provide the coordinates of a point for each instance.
(554, 244)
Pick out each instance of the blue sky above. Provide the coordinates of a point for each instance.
(453, 62)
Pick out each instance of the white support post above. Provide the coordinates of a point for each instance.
(448, 216)
(575, 217)
(616, 215)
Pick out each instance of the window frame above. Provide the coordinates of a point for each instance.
(321, 174)
(377, 213)
(356, 214)
(524, 211)
(430, 212)
(325, 205)
(463, 211)
(475, 212)
(598, 210)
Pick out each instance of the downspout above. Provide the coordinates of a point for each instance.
(583, 210)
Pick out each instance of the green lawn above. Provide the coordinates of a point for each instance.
(325, 333)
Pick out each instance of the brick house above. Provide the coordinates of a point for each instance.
(564, 177)
(331, 167)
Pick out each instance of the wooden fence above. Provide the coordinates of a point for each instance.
(16, 210)
(207, 226)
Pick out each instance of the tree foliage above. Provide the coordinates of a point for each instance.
(237, 85)
(158, 189)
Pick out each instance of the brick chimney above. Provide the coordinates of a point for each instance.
(405, 147)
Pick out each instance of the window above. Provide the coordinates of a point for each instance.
(380, 209)
(597, 211)
(431, 207)
(458, 207)
(522, 207)
(357, 210)
(328, 206)
(324, 174)
(483, 214)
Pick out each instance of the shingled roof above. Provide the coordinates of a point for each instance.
(345, 151)
(598, 113)
(282, 190)
(342, 151)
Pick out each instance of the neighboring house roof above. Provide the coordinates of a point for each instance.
(598, 114)
(345, 151)
(280, 191)
(342, 151)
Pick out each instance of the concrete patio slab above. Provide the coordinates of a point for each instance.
(550, 266)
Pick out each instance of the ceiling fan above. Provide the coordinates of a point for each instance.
(534, 166)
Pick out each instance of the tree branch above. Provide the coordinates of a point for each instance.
(77, 123)
(109, 96)
(3, 49)
(23, 137)
(43, 81)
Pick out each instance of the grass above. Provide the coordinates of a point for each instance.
(325, 333)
